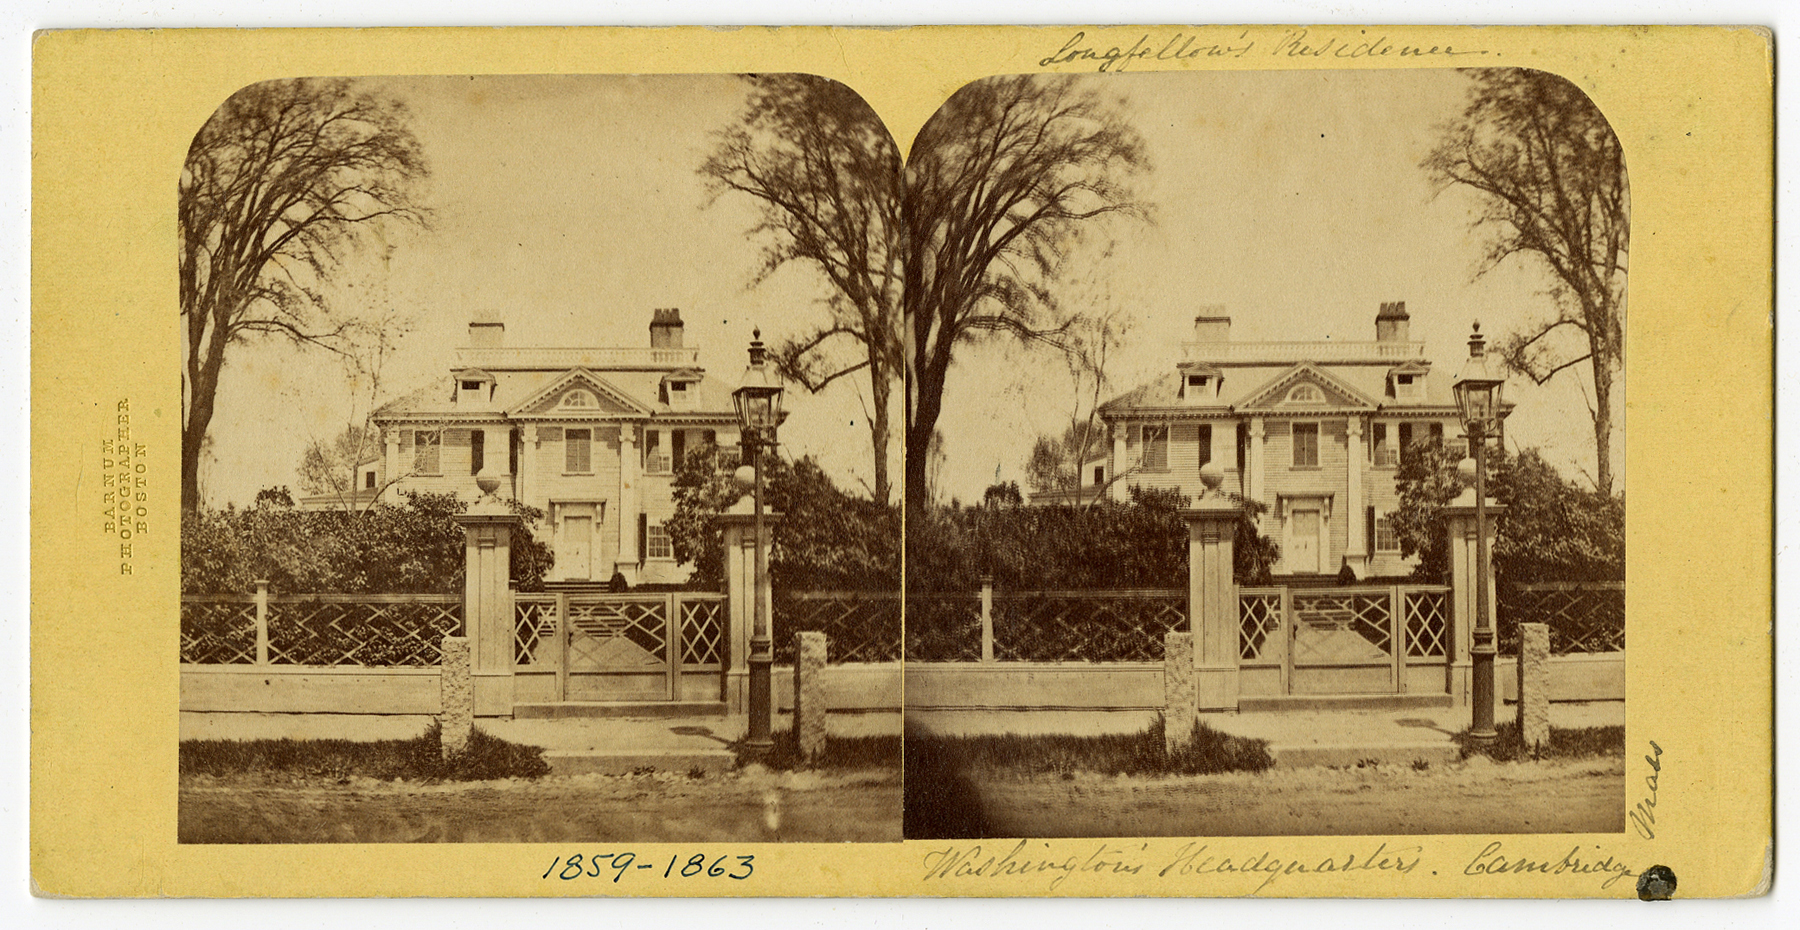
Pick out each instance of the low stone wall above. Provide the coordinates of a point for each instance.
(295, 689)
(1132, 686)
(1590, 677)
(870, 687)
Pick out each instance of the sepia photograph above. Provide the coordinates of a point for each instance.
(1265, 458)
(536, 472)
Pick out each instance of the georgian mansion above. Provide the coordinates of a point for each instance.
(1312, 430)
(590, 435)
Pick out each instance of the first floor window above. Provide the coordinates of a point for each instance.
(578, 451)
(656, 542)
(1385, 538)
(1306, 445)
(426, 446)
(1156, 448)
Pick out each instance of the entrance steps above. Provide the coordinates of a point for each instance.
(560, 710)
(1275, 703)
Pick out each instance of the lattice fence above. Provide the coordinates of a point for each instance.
(1259, 619)
(702, 629)
(943, 628)
(373, 631)
(1584, 617)
(860, 626)
(1086, 626)
(534, 630)
(218, 630)
(1367, 614)
(1427, 614)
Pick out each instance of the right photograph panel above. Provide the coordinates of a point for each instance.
(1265, 457)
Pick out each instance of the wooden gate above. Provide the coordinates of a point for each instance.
(1362, 640)
(621, 647)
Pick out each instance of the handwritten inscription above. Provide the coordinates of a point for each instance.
(124, 485)
(1114, 58)
(1023, 861)
(623, 864)
(1149, 48)
(1494, 859)
(1191, 861)
(1643, 813)
(977, 862)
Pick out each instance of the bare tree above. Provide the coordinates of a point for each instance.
(278, 184)
(1002, 185)
(1551, 175)
(1056, 461)
(827, 175)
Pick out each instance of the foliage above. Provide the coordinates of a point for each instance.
(414, 547)
(1551, 175)
(1005, 182)
(1551, 529)
(274, 497)
(284, 178)
(1108, 544)
(421, 758)
(330, 467)
(842, 754)
(825, 540)
(1056, 461)
(827, 177)
(1005, 494)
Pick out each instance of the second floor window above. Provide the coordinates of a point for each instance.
(1156, 448)
(1381, 450)
(578, 451)
(656, 458)
(477, 450)
(1203, 445)
(1306, 445)
(426, 446)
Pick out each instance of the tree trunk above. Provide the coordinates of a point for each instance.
(918, 439)
(1603, 424)
(878, 431)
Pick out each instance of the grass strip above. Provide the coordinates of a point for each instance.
(417, 759)
(1565, 743)
(1207, 752)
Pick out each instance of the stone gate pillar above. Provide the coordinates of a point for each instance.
(1212, 595)
(1459, 520)
(740, 586)
(487, 597)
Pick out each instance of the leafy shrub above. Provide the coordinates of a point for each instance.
(826, 539)
(414, 547)
(418, 759)
(1106, 544)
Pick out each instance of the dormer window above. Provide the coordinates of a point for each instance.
(474, 386)
(679, 388)
(1200, 385)
(1408, 387)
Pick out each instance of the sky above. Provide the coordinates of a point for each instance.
(570, 207)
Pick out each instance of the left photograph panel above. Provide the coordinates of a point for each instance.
(535, 462)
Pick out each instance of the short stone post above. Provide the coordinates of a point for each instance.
(809, 694)
(1180, 698)
(1534, 686)
(456, 696)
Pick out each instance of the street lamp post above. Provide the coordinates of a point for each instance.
(758, 402)
(1478, 396)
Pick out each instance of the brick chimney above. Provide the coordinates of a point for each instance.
(665, 328)
(1391, 324)
(486, 332)
(1212, 325)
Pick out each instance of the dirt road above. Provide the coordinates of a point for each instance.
(738, 806)
(1481, 797)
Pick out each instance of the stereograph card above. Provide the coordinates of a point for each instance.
(1000, 461)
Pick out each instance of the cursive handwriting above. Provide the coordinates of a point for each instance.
(1179, 47)
(1297, 43)
(1192, 861)
(1492, 861)
(975, 862)
(1643, 813)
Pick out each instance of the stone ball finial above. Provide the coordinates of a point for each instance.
(1466, 468)
(488, 482)
(745, 475)
(1212, 476)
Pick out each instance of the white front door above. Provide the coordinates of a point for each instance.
(1303, 542)
(574, 546)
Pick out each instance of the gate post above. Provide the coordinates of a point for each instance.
(1212, 594)
(487, 597)
(739, 524)
(1459, 522)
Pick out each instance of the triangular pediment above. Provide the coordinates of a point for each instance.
(1306, 387)
(580, 393)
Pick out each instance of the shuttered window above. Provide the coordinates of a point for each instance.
(1156, 448)
(427, 446)
(477, 450)
(1204, 444)
(578, 451)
